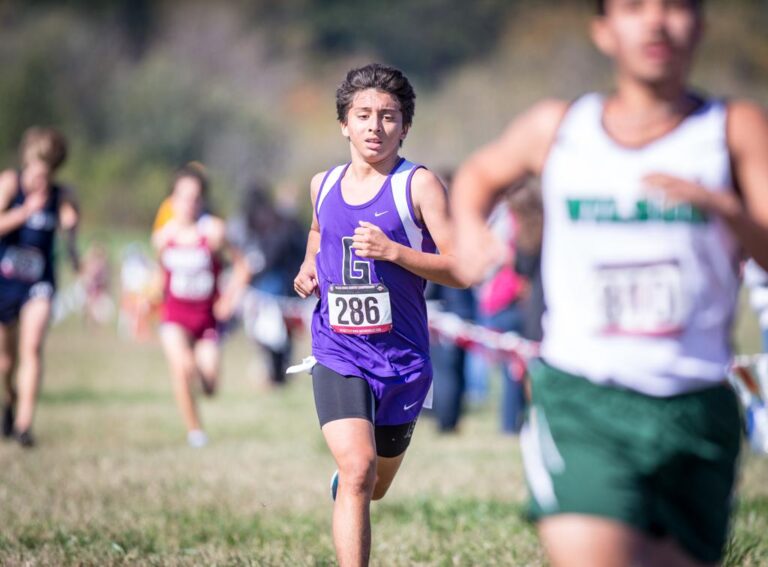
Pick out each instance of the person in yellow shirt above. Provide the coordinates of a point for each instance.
(163, 215)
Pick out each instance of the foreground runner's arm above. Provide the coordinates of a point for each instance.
(431, 208)
(747, 216)
(305, 283)
(519, 153)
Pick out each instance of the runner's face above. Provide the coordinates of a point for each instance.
(187, 199)
(651, 40)
(37, 176)
(374, 125)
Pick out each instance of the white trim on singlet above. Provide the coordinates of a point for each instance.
(330, 180)
(400, 193)
(204, 222)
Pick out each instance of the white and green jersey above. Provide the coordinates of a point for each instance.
(640, 292)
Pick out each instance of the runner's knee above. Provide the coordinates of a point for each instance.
(210, 385)
(358, 474)
(6, 363)
(184, 369)
(30, 353)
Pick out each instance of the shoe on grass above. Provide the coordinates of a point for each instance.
(25, 439)
(197, 438)
(334, 485)
(8, 419)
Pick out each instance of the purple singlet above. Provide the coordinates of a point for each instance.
(356, 284)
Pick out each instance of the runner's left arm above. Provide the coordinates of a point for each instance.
(431, 207)
(746, 215)
(69, 220)
(241, 274)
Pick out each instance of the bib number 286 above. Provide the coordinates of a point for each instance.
(359, 309)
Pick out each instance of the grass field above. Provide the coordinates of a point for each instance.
(113, 483)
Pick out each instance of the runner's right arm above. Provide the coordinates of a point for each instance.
(11, 219)
(305, 283)
(520, 152)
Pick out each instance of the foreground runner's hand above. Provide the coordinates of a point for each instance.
(678, 190)
(305, 283)
(479, 253)
(370, 241)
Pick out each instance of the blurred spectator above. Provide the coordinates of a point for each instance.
(449, 360)
(527, 208)
(499, 308)
(95, 277)
(139, 293)
(756, 279)
(452, 364)
(273, 241)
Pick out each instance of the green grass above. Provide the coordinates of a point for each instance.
(113, 483)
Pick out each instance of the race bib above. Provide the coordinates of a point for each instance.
(192, 286)
(359, 309)
(24, 264)
(641, 299)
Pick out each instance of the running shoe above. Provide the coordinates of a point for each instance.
(25, 439)
(209, 388)
(197, 438)
(334, 485)
(8, 421)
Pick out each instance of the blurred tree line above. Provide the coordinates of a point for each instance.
(142, 86)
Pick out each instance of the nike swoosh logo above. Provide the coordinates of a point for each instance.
(379, 214)
(409, 406)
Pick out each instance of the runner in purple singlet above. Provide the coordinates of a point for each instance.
(378, 223)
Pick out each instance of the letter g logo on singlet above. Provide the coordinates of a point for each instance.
(355, 272)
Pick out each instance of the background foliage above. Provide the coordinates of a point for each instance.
(143, 86)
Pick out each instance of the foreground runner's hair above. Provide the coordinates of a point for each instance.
(380, 219)
(642, 238)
